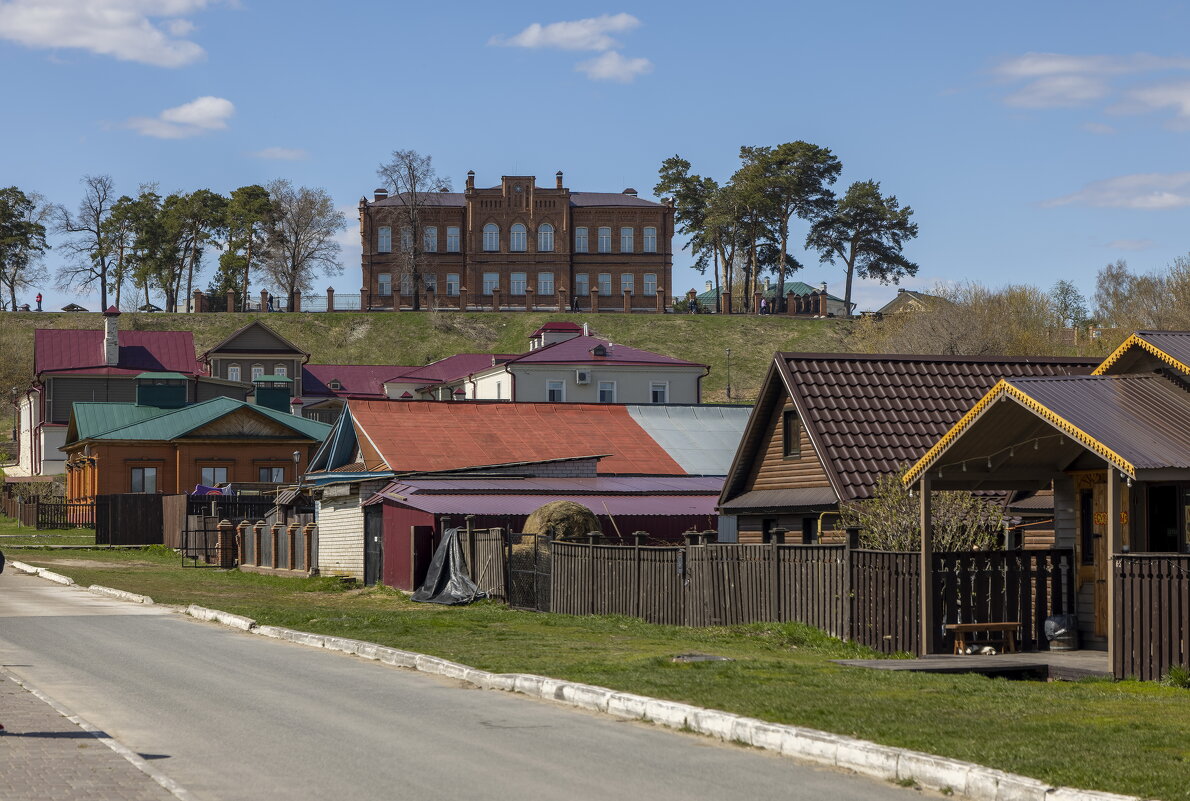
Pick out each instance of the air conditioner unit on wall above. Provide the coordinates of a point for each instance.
(582, 376)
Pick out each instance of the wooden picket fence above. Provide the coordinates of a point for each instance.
(1152, 614)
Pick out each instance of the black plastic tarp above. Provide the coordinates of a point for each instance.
(447, 580)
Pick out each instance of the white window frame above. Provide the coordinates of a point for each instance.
(552, 386)
(609, 386)
(431, 282)
(452, 285)
(452, 239)
(649, 239)
(406, 239)
(654, 386)
(384, 239)
(605, 240)
(582, 284)
(627, 281)
(384, 284)
(517, 283)
(518, 238)
(406, 284)
(148, 480)
(626, 240)
(233, 372)
(581, 242)
(605, 284)
(491, 283)
(651, 284)
(430, 239)
(257, 371)
(491, 238)
(545, 283)
(545, 238)
(280, 369)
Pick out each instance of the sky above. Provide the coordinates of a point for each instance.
(1035, 142)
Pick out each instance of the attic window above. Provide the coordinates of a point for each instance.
(599, 350)
(335, 385)
(791, 434)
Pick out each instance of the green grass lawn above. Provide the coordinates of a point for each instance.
(14, 536)
(1126, 737)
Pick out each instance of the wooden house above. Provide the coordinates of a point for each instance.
(827, 427)
(1115, 446)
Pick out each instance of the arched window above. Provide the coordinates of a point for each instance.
(518, 240)
(491, 237)
(233, 373)
(545, 238)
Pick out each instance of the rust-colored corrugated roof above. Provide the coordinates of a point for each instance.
(867, 415)
(435, 435)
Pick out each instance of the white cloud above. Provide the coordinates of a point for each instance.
(1129, 244)
(199, 116)
(611, 66)
(281, 154)
(1160, 96)
(145, 31)
(580, 34)
(1145, 191)
(1040, 65)
(1058, 91)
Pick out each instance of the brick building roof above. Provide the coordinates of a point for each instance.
(577, 199)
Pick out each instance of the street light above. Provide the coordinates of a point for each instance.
(729, 373)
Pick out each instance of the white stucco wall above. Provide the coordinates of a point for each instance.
(633, 384)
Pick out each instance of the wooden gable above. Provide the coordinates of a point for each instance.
(245, 423)
(256, 337)
(773, 469)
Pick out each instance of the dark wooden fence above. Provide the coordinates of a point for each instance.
(49, 513)
(997, 586)
(133, 519)
(885, 607)
(1152, 614)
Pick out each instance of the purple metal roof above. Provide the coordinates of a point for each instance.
(356, 379)
(448, 369)
(56, 350)
(578, 351)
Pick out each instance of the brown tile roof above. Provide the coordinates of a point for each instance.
(866, 415)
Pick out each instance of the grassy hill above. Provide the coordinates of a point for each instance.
(406, 338)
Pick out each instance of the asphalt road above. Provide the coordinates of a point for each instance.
(229, 715)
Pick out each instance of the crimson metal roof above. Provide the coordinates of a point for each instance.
(511, 485)
(58, 350)
(355, 379)
(448, 369)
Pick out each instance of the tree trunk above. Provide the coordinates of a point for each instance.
(718, 288)
(780, 299)
(247, 269)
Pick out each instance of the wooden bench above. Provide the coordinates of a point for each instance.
(962, 630)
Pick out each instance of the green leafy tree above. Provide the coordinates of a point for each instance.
(794, 180)
(890, 519)
(1069, 304)
(249, 215)
(22, 240)
(866, 232)
(692, 196)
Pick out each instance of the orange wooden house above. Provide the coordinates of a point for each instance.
(162, 445)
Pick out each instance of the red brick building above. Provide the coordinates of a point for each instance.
(519, 246)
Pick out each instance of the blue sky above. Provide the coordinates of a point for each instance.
(1035, 141)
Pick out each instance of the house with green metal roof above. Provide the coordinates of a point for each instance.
(161, 444)
(807, 300)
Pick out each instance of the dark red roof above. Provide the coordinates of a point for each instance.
(448, 369)
(452, 435)
(61, 350)
(356, 380)
(557, 326)
(578, 350)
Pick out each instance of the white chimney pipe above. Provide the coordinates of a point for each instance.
(111, 337)
(586, 330)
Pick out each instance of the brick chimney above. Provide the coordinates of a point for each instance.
(380, 194)
(470, 179)
(558, 178)
(111, 337)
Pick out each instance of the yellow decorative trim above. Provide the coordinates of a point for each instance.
(1001, 389)
(1138, 340)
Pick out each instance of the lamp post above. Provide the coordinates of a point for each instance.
(297, 460)
(729, 373)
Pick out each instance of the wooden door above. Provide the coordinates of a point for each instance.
(373, 543)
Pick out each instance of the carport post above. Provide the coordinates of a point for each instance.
(1109, 554)
(927, 563)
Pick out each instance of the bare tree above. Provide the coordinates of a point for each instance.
(301, 240)
(88, 249)
(411, 178)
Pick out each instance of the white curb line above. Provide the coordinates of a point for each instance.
(965, 779)
(120, 594)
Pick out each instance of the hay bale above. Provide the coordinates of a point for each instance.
(566, 520)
